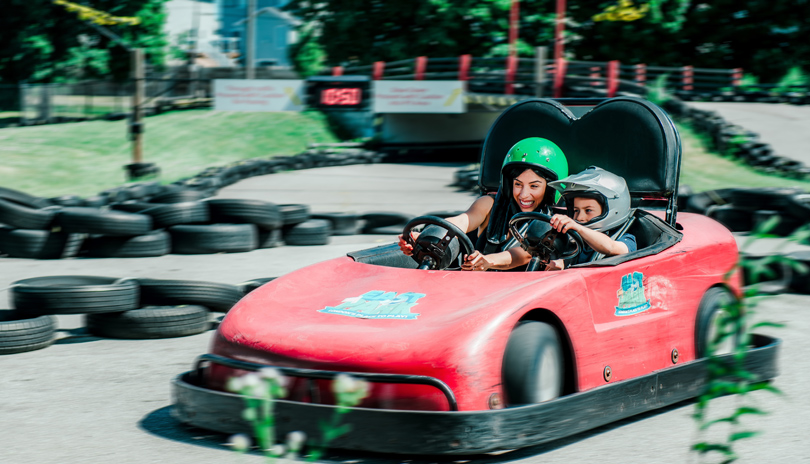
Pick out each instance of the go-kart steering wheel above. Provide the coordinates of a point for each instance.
(431, 252)
(549, 246)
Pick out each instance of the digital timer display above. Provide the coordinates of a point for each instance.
(341, 96)
(338, 93)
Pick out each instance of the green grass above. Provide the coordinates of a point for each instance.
(85, 158)
(88, 157)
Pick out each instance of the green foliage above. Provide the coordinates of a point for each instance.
(259, 390)
(794, 77)
(657, 92)
(307, 55)
(41, 42)
(727, 375)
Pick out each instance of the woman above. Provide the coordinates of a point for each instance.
(528, 168)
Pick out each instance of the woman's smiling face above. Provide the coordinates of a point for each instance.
(528, 190)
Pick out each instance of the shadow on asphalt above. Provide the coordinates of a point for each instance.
(72, 336)
(162, 424)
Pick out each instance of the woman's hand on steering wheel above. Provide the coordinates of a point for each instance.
(476, 262)
(406, 247)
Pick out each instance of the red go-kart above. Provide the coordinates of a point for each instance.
(471, 362)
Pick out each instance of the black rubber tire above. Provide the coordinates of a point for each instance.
(264, 214)
(36, 244)
(68, 200)
(96, 201)
(156, 243)
(700, 202)
(150, 322)
(533, 350)
(213, 295)
(213, 238)
(179, 196)
(800, 281)
(342, 223)
(74, 294)
(19, 333)
(24, 217)
(774, 198)
(307, 233)
(22, 198)
(711, 307)
(294, 214)
(172, 214)
(86, 220)
(250, 285)
(271, 238)
(735, 219)
(377, 220)
(799, 206)
(132, 206)
(787, 224)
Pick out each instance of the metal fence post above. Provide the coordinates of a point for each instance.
(539, 70)
(687, 78)
(464, 67)
(559, 77)
(612, 78)
(419, 68)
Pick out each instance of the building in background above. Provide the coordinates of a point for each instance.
(214, 31)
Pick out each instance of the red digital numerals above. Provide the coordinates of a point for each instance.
(341, 96)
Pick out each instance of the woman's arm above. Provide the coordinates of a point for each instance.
(475, 216)
(502, 261)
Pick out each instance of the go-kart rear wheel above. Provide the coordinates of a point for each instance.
(533, 364)
(712, 316)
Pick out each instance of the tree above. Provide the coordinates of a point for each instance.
(763, 37)
(42, 42)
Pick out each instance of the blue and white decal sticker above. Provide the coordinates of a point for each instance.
(631, 295)
(377, 304)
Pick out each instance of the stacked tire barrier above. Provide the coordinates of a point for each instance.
(736, 142)
(145, 219)
(113, 307)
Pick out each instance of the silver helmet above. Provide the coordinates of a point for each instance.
(606, 188)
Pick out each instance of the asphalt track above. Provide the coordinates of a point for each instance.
(93, 400)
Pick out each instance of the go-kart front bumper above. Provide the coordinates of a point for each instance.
(470, 432)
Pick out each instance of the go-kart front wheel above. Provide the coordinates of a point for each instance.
(533, 364)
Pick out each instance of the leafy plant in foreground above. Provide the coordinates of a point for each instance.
(729, 376)
(261, 389)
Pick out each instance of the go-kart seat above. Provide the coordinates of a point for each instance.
(629, 137)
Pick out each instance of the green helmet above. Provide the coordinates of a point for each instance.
(540, 155)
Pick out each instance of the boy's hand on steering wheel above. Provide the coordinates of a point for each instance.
(563, 223)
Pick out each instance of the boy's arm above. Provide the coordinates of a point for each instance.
(600, 242)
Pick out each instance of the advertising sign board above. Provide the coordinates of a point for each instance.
(258, 95)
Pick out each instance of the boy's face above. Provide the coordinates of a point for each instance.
(586, 209)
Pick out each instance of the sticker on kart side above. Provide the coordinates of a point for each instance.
(631, 295)
(377, 304)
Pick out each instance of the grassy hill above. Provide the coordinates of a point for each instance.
(88, 157)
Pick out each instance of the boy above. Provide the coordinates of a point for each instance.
(598, 204)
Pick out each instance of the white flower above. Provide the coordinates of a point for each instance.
(277, 450)
(240, 442)
(295, 440)
(251, 380)
(343, 383)
(235, 384)
(273, 375)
